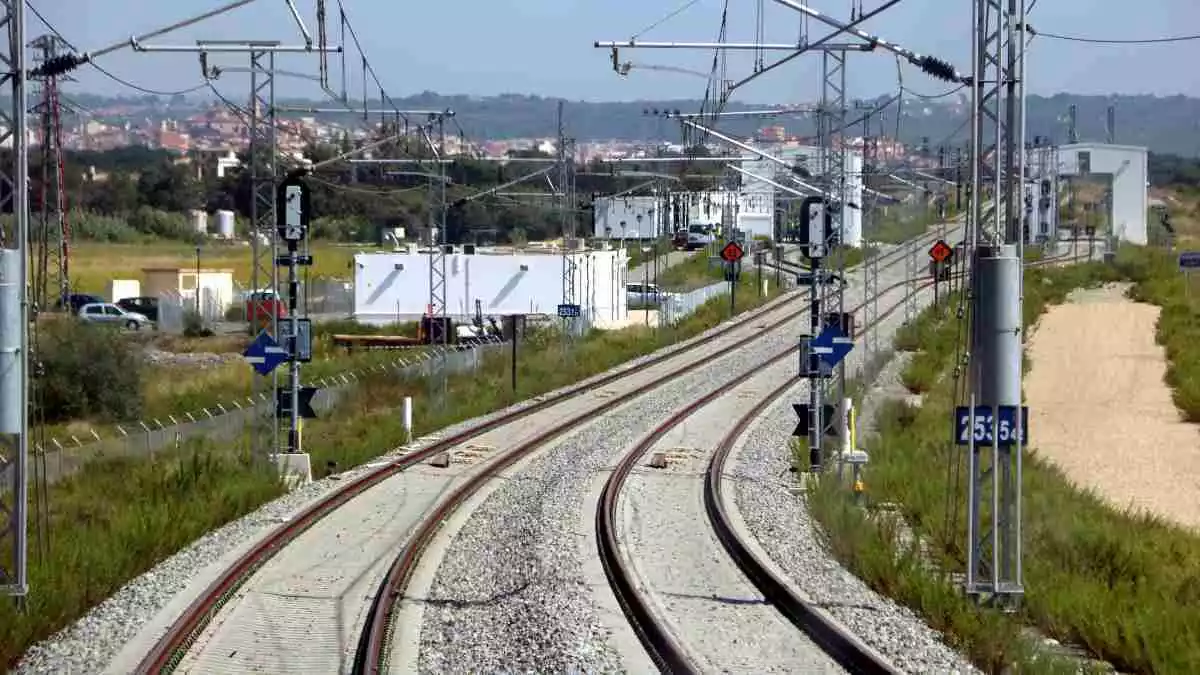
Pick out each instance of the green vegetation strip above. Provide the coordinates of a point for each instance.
(1123, 586)
(121, 517)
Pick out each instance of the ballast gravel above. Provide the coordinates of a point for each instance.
(91, 643)
(511, 593)
(779, 520)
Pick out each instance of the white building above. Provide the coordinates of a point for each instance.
(1126, 164)
(617, 218)
(182, 284)
(392, 287)
(758, 196)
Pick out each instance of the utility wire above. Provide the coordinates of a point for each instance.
(1115, 41)
(670, 15)
(136, 87)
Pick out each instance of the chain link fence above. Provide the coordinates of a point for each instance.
(225, 421)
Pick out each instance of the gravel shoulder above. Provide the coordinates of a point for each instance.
(518, 588)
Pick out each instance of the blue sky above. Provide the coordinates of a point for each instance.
(545, 47)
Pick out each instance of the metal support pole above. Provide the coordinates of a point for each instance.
(994, 544)
(815, 386)
(994, 556)
(15, 311)
(293, 436)
(263, 306)
(566, 205)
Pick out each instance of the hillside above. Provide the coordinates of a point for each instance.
(1165, 125)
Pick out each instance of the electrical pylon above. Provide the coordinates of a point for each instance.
(51, 233)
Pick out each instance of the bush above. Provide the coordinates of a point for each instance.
(193, 325)
(88, 372)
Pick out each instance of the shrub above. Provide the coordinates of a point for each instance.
(193, 325)
(87, 372)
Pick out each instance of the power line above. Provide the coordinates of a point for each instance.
(145, 90)
(1105, 41)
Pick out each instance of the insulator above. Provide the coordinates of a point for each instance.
(938, 68)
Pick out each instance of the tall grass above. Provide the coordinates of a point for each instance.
(1125, 587)
(121, 517)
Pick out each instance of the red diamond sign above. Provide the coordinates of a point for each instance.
(732, 252)
(941, 251)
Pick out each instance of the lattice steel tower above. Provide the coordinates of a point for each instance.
(565, 198)
(994, 521)
(832, 120)
(51, 231)
(264, 237)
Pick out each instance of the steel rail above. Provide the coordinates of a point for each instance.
(371, 653)
(663, 649)
(845, 648)
(167, 652)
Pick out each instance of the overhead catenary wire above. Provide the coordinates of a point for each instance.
(105, 72)
(1114, 41)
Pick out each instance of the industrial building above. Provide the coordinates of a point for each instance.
(752, 208)
(182, 284)
(391, 287)
(1127, 166)
(652, 216)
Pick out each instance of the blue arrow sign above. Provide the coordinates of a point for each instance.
(831, 346)
(265, 354)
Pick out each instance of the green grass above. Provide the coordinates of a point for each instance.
(899, 223)
(697, 271)
(637, 256)
(1123, 586)
(121, 517)
(94, 264)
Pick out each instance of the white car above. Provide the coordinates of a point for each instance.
(699, 236)
(108, 313)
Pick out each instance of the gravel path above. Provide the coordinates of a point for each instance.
(141, 611)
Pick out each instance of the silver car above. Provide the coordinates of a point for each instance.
(108, 313)
(643, 296)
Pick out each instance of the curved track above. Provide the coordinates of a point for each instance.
(167, 653)
(372, 653)
(655, 637)
(667, 653)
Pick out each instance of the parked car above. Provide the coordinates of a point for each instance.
(680, 240)
(699, 236)
(146, 306)
(75, 301)
(262, 307)
(642, 296)
(108, 313)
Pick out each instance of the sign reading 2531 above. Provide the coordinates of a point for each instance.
(984, 425)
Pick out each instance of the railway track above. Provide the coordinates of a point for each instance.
(664, 648)
(574, 404)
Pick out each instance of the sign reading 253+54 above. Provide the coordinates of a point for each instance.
(984, 425)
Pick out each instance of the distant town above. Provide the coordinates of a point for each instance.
(214, 129)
